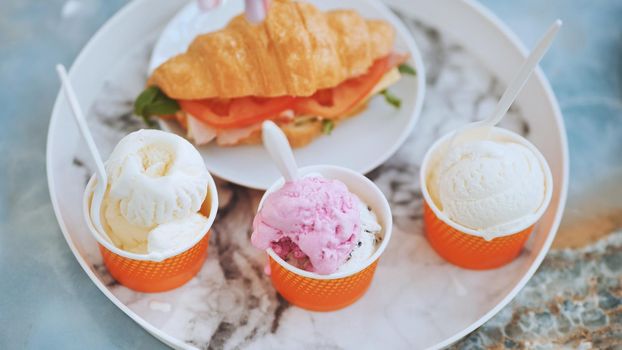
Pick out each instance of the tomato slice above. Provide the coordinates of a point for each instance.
(328, 103)
(238, 112)
(335, 102)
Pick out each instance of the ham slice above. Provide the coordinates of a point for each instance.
(202, 134)
(229, 137)
(199, 132)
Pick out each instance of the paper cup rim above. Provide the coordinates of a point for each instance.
(466, 230)
(381, 203)
(155, 257)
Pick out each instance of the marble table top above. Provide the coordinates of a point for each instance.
(574, 300)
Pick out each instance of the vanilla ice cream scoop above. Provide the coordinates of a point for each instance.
(168, 236)
(492, 186)
(157, 177)
(157, 182)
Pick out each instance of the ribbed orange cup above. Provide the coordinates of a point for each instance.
(154, 273)
(468, 251)
(320, 294)
(316, 292)
(151, 276)
(466, 247)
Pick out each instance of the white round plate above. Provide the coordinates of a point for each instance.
(416, 300)
(348, 145)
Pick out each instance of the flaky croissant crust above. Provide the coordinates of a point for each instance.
(296, 51)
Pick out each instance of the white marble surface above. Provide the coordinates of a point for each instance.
(416, 299)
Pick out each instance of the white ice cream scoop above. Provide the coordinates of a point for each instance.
(489, 185)
(488, 188)
(156, 177)
(157, 185)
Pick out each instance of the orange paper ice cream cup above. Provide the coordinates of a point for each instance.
(317, 292)
(466, 247)
(154, 272)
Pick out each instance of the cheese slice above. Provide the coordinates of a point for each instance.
(390, 78)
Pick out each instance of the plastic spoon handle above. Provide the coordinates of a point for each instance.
(256, 10)
(520, 79)
(102, 179)
(277, 145)
(79, 117)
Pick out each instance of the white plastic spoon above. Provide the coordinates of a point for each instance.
(277, 145)
(511, 93)
(100, 171)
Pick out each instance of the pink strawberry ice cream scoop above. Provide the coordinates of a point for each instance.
(313, 219)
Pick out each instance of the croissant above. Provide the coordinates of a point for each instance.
(296, 51)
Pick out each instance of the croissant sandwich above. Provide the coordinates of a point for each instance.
(302, 68)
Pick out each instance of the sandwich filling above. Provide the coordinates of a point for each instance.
(228, 121)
